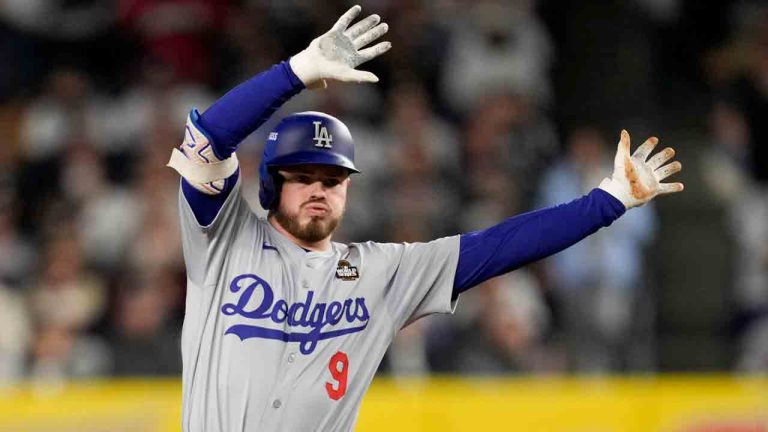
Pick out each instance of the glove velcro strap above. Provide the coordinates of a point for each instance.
(618, 191)
(202, 173)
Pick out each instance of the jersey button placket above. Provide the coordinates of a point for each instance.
(291, 357)
(309, 264)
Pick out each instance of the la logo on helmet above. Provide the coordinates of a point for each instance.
(322, 138)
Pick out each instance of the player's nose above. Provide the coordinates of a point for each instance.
(317, 190)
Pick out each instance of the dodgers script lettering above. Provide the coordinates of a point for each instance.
(300, 315)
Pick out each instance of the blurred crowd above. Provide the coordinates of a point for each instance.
(485, 109)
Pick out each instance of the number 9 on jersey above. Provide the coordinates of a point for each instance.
(339, 367)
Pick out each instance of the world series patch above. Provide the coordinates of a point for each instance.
(345, 271)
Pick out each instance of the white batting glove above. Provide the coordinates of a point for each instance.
(337, 53)
(635, 180)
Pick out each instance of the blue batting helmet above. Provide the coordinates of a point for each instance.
(303, 138)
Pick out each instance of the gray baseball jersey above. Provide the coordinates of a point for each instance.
(276, 338)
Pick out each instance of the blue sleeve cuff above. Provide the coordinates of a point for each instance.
(617, 207)
(296, 83)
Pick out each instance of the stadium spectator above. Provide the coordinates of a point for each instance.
(598, 281)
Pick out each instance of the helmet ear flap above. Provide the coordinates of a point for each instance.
(266, 187)
(277, 187)
(270, 183)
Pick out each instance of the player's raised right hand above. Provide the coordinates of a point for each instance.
(337, 53)
(636, 179)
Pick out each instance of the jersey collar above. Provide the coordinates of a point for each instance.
(292, 249)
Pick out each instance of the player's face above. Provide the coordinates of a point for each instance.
(312, 200)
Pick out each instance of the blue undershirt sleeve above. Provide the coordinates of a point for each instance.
(246, 107)
(205, 207)
(531, 236)
(231, 119)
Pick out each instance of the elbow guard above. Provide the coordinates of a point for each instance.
(196, 160)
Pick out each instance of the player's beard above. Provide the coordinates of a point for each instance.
(316, 229)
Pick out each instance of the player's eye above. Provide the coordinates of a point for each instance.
(331, 182)
(304, 179)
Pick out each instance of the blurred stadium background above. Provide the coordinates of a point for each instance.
(485, 109)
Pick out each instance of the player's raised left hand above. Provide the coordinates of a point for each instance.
(337, 53)
(637, 179)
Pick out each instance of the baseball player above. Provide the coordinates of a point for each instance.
(284, 329)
